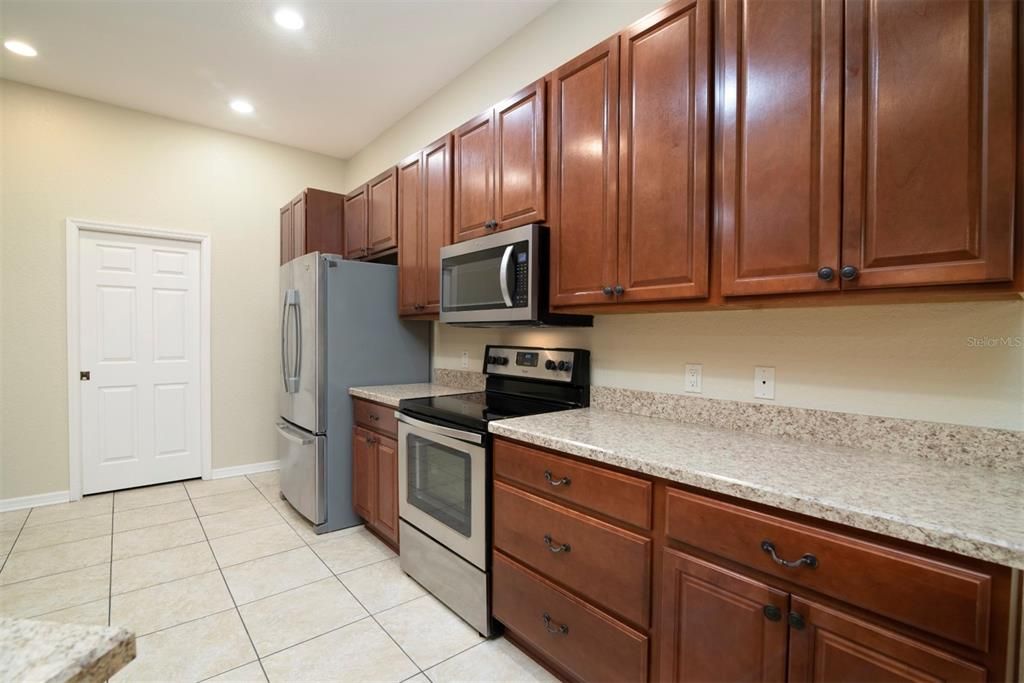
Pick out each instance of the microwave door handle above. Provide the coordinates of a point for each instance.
(503, 275)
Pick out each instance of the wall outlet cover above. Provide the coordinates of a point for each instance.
(764, 383)
(692, 378)
(465, 360)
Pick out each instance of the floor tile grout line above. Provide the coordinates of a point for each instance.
(110, 571)
(16, 537)
(231, 595)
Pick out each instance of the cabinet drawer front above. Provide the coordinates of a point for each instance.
(949, 601)
(376, 417)
(593, 646)
(616, 495)
(608, 565)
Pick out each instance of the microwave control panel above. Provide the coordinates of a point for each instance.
(521, 292)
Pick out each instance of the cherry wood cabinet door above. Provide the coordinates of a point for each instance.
(382, 208)
(828, 645)
(929, 142)
(410, 235)
(437, 220)
(287, 237)
(717, 625)
(519, 194)
(299, 225)
(323, 218)
(664, 126)
(779, 163)
(386, 513)
(583, 156)
(474, 177)
(355, 223)
(364, 474)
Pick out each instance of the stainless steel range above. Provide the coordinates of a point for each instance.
(444, 468)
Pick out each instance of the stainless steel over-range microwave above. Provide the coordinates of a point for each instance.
(500, 279)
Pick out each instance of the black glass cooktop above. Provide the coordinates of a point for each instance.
(474, 410)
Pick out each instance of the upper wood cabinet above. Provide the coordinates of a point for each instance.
(499, 166)
(312, 221)
(929, 142)
(425, 219)
(779, 117)
(382, 212)
(583, 157)
(356, 210)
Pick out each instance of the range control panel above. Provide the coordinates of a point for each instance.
(537, 363)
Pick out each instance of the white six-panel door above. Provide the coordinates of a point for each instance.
(139, 340)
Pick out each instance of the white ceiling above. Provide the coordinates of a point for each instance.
(356, 68)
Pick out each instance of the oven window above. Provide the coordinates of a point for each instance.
(471, 282)
(439, 483)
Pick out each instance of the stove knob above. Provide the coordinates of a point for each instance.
(501, 360)
(550, 365)
(563, 366)
(491, 360)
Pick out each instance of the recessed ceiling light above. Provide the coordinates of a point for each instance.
(242, 106)
(20, 48)
(289, 19)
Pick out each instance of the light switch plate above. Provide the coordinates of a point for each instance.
(692, 378)
(465, 360)
(764, 382)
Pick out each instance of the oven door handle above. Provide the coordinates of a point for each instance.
(469, 437)
(503, 275)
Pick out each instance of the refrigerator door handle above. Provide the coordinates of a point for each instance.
(294, 435)
(284, 342)
(291, 378)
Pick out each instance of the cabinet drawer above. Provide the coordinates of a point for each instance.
(376, 417)
(608, 565)
(593, 646)
(941, 598)
(616, 495)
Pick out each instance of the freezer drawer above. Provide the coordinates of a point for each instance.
(302, 457)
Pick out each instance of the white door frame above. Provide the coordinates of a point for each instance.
(75, 226)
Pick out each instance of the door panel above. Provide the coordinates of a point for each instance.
(519, 155)
(364, 474)
(410, 232)
(355, 223)
(779, 109)
(583, 151)
(287, 236)
(717, 625)
(929, 142)
(839, 648)
(299, 225)
(139, 332)
(386, 517)
(382, 200)
(474, 177)
(437, 220)
(663, 147)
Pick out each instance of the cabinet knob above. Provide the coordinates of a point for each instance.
(607, 291)
(491, 224)
(796, 621)
(826, 274)
(848, 273)
(560, 630)
(619, 289)
(772, 613)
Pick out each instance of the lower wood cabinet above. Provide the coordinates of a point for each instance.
(375, 471)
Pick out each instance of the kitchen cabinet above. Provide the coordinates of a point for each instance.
(498, 166)
(375, 469)
(630, 132)
(312, 221)
(424, 219)
(382, 212)
(355, 223)
(928, 147)
(779, 113)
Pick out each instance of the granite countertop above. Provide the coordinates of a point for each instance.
(968, 510)
(47, 651)
(391, 394)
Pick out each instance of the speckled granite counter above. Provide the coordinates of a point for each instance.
(391, 394)
(47, 651)
(973, 511)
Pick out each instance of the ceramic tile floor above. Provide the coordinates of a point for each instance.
(222, 580)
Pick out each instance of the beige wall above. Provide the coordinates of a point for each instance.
(919, 361)
(63, 157)
(558, 35)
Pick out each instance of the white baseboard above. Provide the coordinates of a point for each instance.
(239, 470)
(52, 498)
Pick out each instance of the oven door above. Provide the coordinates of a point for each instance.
(442, 486)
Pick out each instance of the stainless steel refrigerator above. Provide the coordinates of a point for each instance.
(339, 329)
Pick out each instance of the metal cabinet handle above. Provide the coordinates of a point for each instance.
(556, 547)
(561, 630)
(796, 621)
(549, 478)
(491, 224)
(375, 418)
(772, 613)
(607, 291)
(619, 289)
(807, 559)
(849, 273)
(826, 274)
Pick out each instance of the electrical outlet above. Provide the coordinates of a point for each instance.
(465, 360)
(692, 381)
(764, 383)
